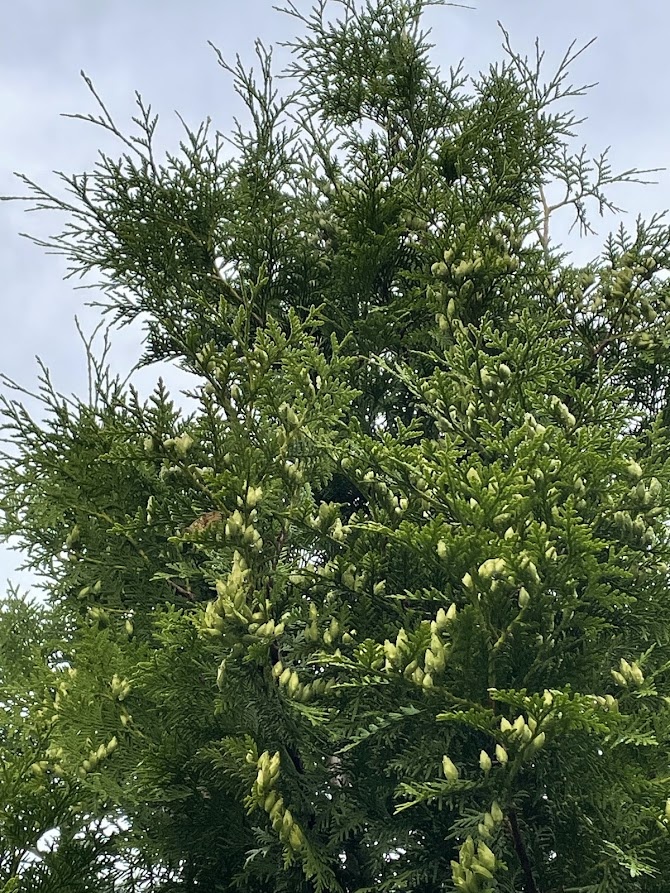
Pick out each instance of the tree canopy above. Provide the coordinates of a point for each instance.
(389, 608)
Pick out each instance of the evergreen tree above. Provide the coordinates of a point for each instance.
(389, 609)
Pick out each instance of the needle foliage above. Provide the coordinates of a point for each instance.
(389, 608)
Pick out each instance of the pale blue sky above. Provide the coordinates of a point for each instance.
(159, 47)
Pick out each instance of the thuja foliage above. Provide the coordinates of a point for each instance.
(389, 609)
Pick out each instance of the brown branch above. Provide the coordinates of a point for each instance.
(185, 592)
(521, 853)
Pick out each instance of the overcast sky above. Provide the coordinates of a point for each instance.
(159, 48)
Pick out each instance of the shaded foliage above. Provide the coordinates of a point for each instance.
(388, 610)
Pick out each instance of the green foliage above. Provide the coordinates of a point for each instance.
(388, 609)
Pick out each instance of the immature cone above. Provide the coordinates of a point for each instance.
(450, 770)
(293, 684)
(287, 821)
(519, 724)
(538, 741)
(485, 761)
(285, 676)
(295, 838)
(505, 725)
(274, 764)
(482, 871)
(496, 812)
(473, 477)
(390, 651)
(277, 810)
(486, 856)
(183, 444)
(618, 678)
